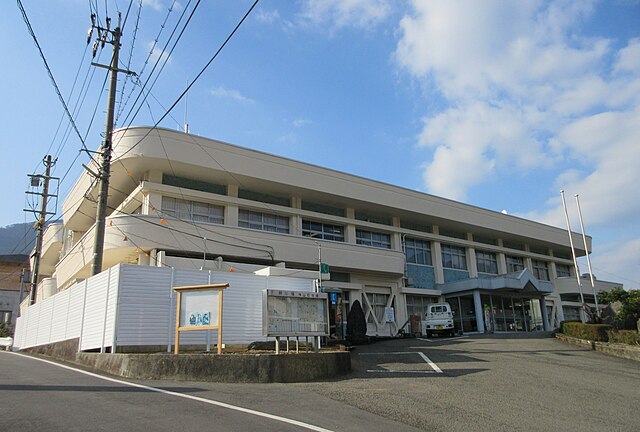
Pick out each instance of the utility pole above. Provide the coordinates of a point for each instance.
(105, 35)
(35, 182)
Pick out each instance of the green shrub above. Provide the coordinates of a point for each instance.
(593, 332)
(562, 324)
(5, 330)
(629, 337)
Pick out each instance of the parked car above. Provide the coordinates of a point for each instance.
(439, 320)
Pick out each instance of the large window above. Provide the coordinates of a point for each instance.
(368, 217)
(563, 270)
(264, 197)
(263, 221)
(5, 317)
(454, 257)
(417, 305)
(322, 231)
(541, 270)
(487, 262)
(322, 208)
(375, 239)
(192, 210)
(186, 183)
(514, 264)
(378, 303)
(418, 251)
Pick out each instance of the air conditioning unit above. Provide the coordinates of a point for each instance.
(407, 281)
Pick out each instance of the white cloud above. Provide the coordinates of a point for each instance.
(268, 17)
(336, 14)
(629, 57)
(611, 261)
(301, 122)
(231, 94)
(157, 54)
(153, 4)
(525, 90)
(470, 141)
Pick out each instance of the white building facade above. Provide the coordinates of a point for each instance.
(184, 201)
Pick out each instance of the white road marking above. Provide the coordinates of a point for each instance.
(432, 364)
(186, 396)
(397, 371)
(427, 360)
(426, 340)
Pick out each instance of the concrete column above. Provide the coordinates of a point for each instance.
(479, 312)
(350, 229)
(501, 260)
(437, 263)
(472, 264)
(553, 272)
(527, 260)
(231, 215)
(295, 221)
(528, 263)
(396, 237)
(232, 190)
(545, 317)
(437, 258)
(152, 203)
(231, 210)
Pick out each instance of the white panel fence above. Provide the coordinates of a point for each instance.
(131, 305)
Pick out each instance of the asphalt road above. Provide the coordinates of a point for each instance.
(492, 383)
(39, 396)
(480, 383)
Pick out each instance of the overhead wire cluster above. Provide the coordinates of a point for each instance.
(143, 94)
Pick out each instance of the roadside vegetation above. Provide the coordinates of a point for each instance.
(621, 320)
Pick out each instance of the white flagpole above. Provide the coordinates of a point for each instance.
(584, 239)
(573, 251)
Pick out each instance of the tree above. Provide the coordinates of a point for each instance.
(629, 311)
(5, 330)
(356, 324)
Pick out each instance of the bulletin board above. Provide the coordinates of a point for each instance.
(295, 313)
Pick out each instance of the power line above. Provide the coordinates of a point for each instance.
(53, 81)
(194, 80)
(166, 58)
(146, 62)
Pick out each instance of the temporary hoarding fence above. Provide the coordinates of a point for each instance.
(131, 305)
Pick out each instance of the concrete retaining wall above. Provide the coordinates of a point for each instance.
(617, 350)
(236, 368)
(229, 368)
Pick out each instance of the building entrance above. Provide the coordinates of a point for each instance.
(506, 313)
(338, 310)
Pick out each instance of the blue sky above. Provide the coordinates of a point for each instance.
(498, 104)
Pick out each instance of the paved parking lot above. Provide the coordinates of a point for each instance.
(491, 383)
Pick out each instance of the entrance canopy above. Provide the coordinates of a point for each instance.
(522, 282)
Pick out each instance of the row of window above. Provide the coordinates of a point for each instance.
(417, 251)
(285, 201)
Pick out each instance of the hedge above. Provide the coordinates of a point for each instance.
(629, 337)
(593, 332)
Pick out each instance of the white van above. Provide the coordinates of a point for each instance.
(438, 319)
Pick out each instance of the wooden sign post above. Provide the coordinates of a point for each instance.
(199, 307)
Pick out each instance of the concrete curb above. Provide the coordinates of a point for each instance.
(227, 368)
(616, 350)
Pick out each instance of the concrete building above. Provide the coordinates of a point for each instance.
(11, 267)
(185, 201)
